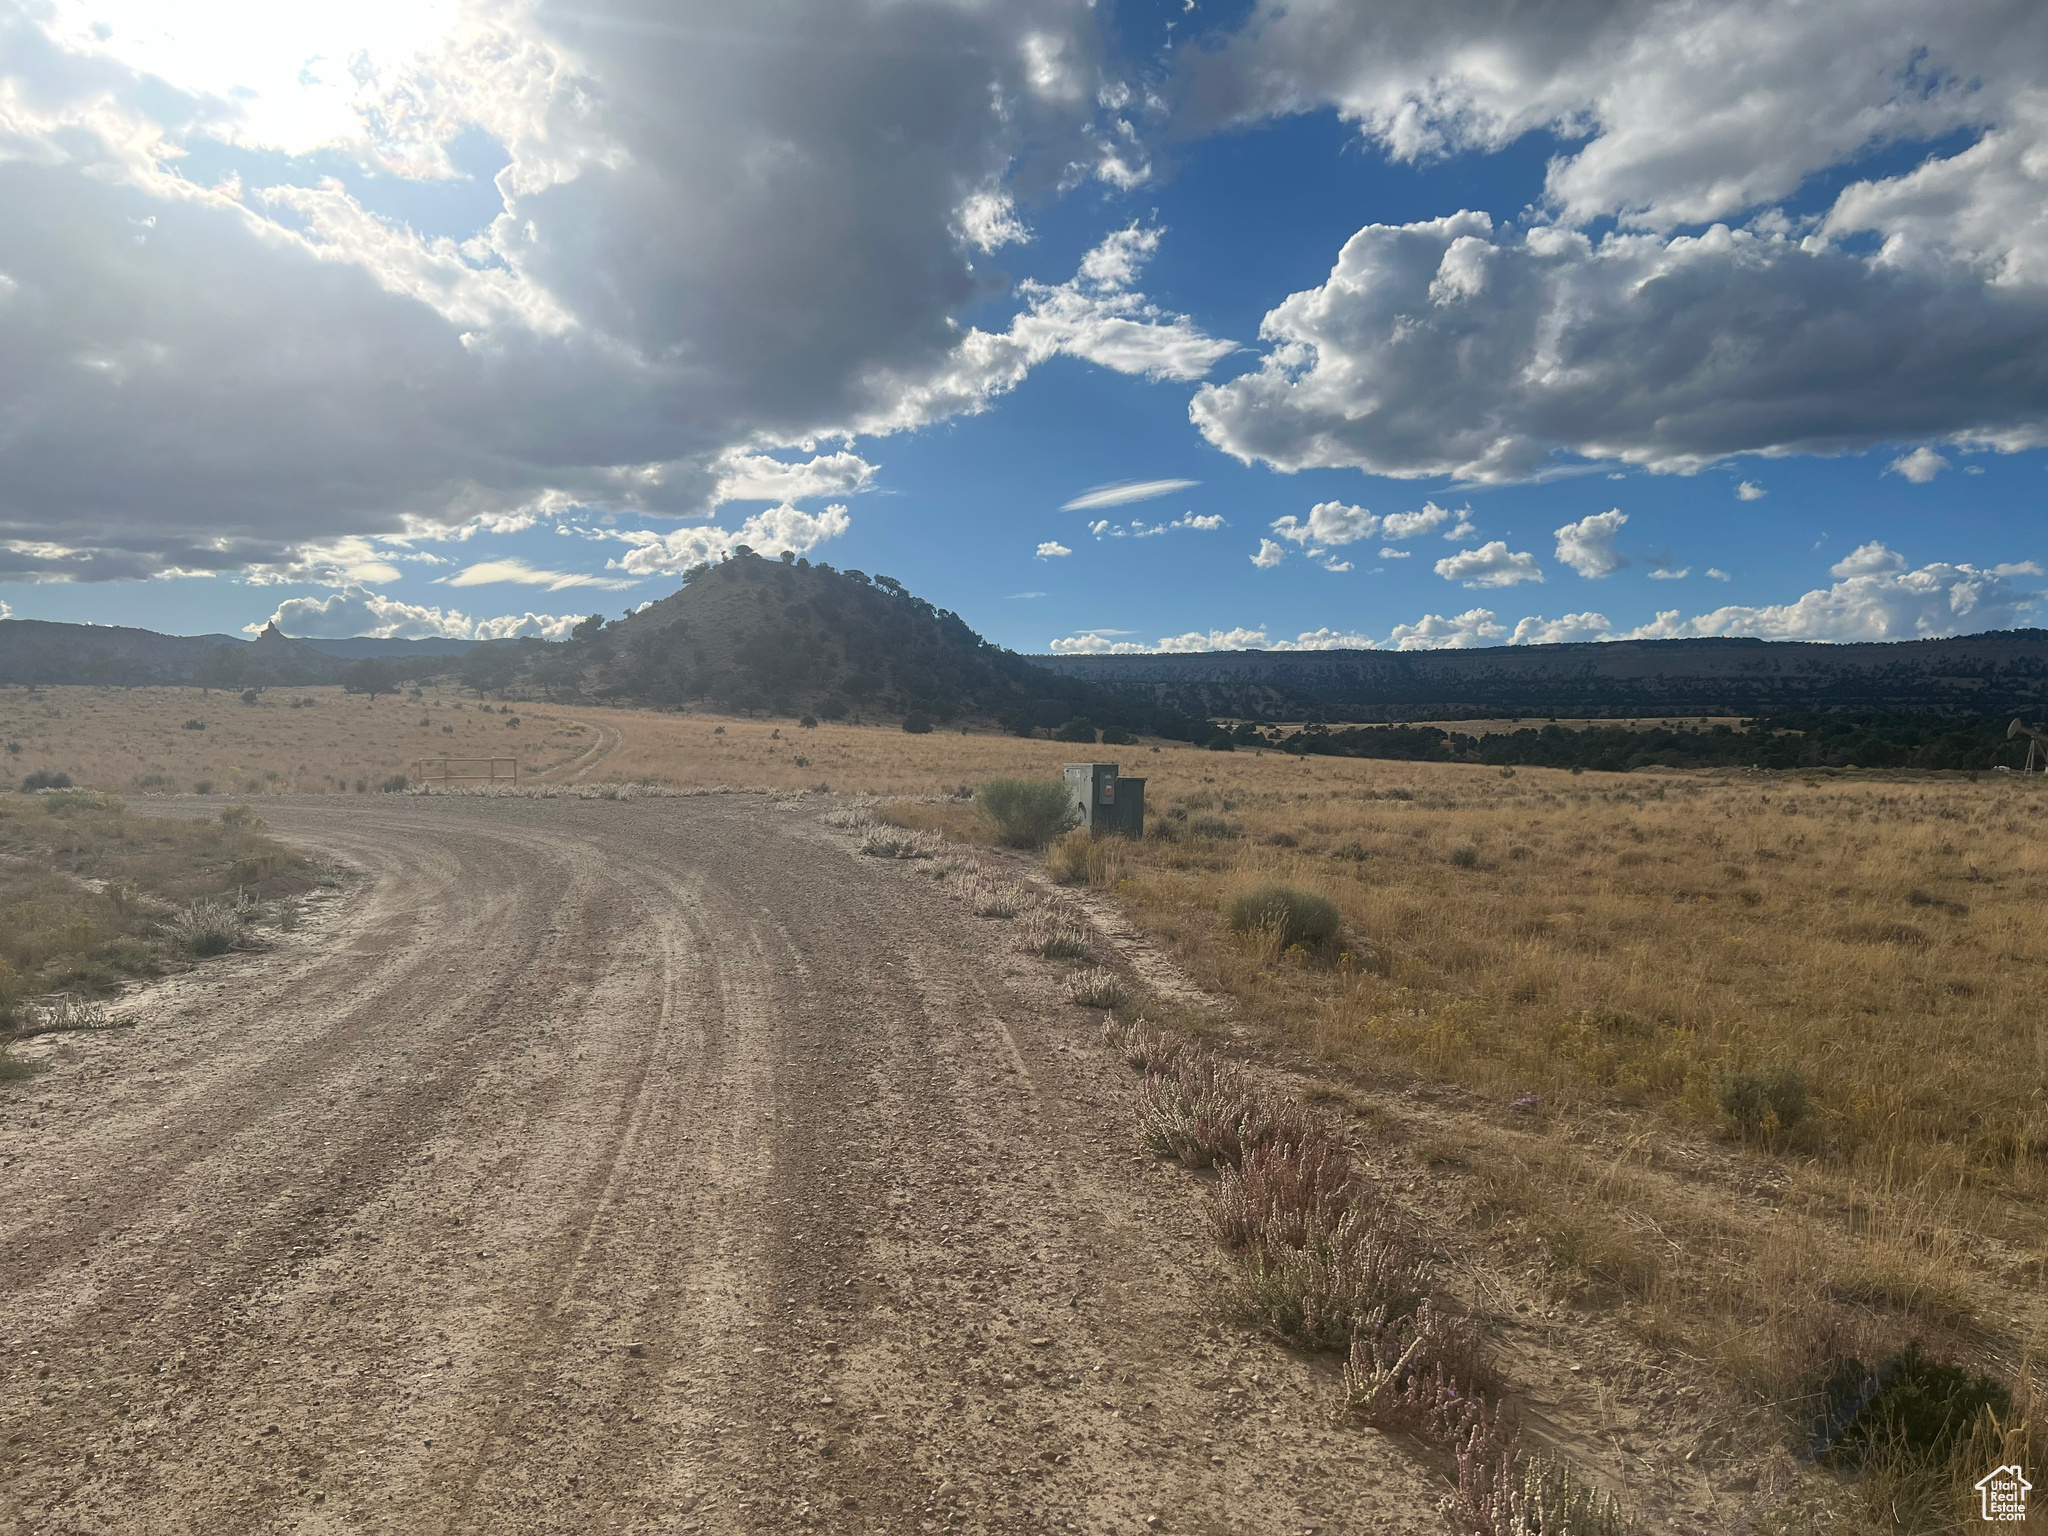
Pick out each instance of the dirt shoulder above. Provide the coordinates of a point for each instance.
(629, 1166)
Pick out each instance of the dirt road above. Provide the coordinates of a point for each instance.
(628, 1166)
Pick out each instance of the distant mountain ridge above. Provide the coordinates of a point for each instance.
(39, 652)
(2005, 670)
(791, 637)
(42, 653)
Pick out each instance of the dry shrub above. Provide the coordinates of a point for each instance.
(206, 928)
(62, 1014)
(1318, 1295)
(1080, 859)
(1055, 936)
(1207, 1113)
(1195, 1110)
(1097, 988)
(1503, 1493)
(1067, 860)
(1405, 1369)
(894, 843)
(989, 897)
(1145, 1048)
(1280, 1196)
(1326, 1265)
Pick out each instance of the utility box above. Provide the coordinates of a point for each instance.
(1106, 800)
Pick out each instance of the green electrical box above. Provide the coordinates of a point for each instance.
(1106, 801)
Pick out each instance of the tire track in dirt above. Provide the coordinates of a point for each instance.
(589, 761)
(628, 1166)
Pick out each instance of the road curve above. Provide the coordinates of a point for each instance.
(640, 1167)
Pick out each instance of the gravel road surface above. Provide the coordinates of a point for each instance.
(647, 1166)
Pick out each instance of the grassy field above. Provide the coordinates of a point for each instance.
(93, 896)
(290, 741)
(1753, 1064)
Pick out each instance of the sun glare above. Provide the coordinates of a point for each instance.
(300, 76)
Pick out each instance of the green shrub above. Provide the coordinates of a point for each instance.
(396, 784)
(1078, 731)
(1465, 856)
(918, 723)
(45, 778)
(1295, 916)
(1910, 1406)
(1760, 1102)
(1117, 736)
(1028, 813)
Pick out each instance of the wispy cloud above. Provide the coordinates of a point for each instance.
(1122, 492)
(517, 572)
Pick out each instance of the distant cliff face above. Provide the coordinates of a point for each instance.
(2003, 670)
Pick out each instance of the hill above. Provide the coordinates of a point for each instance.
(371, 648)
(789, 637)
(2001, 672)
(40, 653)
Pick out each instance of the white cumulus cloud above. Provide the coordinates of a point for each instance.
(1490, 565)
(1329, 523)
(1749, 490)
(1668, 351)
(1052, 549)
(1270, 554)
(1413, 525)
(1434, 632)
(1569, 629)
(766, 533)
(1871, 559)
(1877, 600)
(1919, 466)
(1587, 546)
(1105, 642)
(359, 610)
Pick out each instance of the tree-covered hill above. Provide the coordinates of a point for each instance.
(1630, 679)
(789, 637)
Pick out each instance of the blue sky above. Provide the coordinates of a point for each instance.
(1652, 320)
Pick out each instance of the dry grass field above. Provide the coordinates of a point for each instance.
(1754, 1065)
(290, 741)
